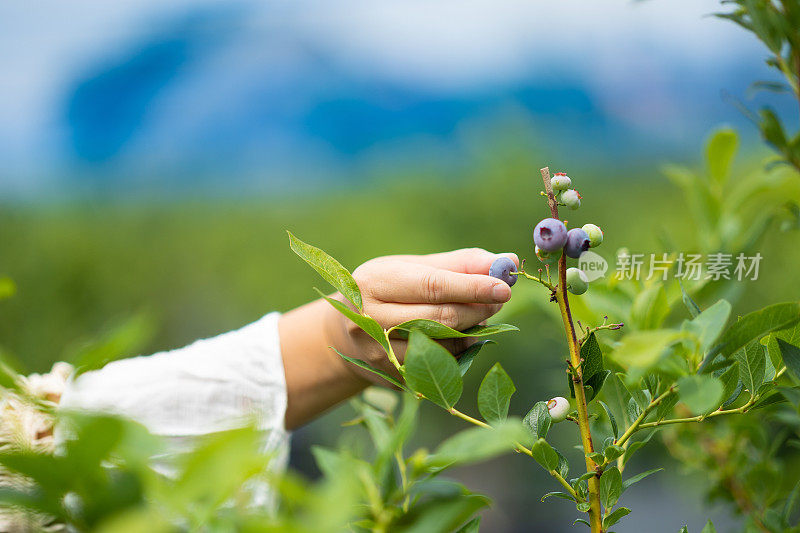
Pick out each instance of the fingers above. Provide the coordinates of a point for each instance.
(397, 281)
(466, 260)
(454, 315)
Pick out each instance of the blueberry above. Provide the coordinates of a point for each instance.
(577, 282)
(558, 408)
(501, 268)
(550, 235)
(571, 198)
(547, 257)
(595, 234)
(560, 182)
(577, 243)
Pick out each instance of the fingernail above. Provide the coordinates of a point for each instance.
(500, 292)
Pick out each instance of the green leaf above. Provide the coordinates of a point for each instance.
(122, 340)
(791, 504)
(709, 528)
(650, 308)
(538, 420)
(641, 350)
(494, 394)
(432, 370)
(611, 419)
(439, 514)
(435, 330)
(466, 357)
(366, 366)
(615, 516)
(772, 130)
(595, 383)
(329, 268)
(752, 363)
(479, 444)
(368, 324)
(638, 477)
(610, 487)
(592, 357)
(545, 455)
(791, 358)
(613, 451)
(563, 465)
(792, 395)
(634, 447)
(581, 521)
(708, 325)
(700, 392)
(562, 495)
(473, 526)
(665, 407)
(755, 325)
(694, 309)
(730, 383)
(719, 154)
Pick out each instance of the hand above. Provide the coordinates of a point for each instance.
(452, 288)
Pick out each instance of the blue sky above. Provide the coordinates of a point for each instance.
(131, 91)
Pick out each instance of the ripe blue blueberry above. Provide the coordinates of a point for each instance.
(577, 243)
(560, 182)
(571, 198)
(547, 257)
(550, 235)
(501, 268)
(595, 234)
(577, 282)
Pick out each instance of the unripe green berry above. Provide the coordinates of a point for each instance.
(595, 234)
(547, 257)
(558, 408)
(571, 198)
(560, 182)
(577, 282)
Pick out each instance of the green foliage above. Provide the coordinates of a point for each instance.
(700, 393)
(431, 370)
(329, 268)
(494, 394)
(435, 330)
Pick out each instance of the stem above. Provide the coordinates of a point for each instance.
(640, 424)
(390, 353)
(534, 278)
(595, 512)
(519, 447)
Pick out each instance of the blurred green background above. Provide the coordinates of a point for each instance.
(153, 154)
(197, 268)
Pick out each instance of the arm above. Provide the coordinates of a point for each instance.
(452, 288)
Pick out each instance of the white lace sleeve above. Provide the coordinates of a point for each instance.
(210, 385)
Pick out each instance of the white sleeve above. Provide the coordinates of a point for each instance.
(210, 385)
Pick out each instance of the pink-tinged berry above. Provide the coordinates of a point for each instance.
(560, 182)
(550, 235)
(558, 408)
(571, 198)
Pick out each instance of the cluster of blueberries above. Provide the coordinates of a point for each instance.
(551, 238)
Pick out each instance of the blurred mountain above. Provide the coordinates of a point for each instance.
(248, 95)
